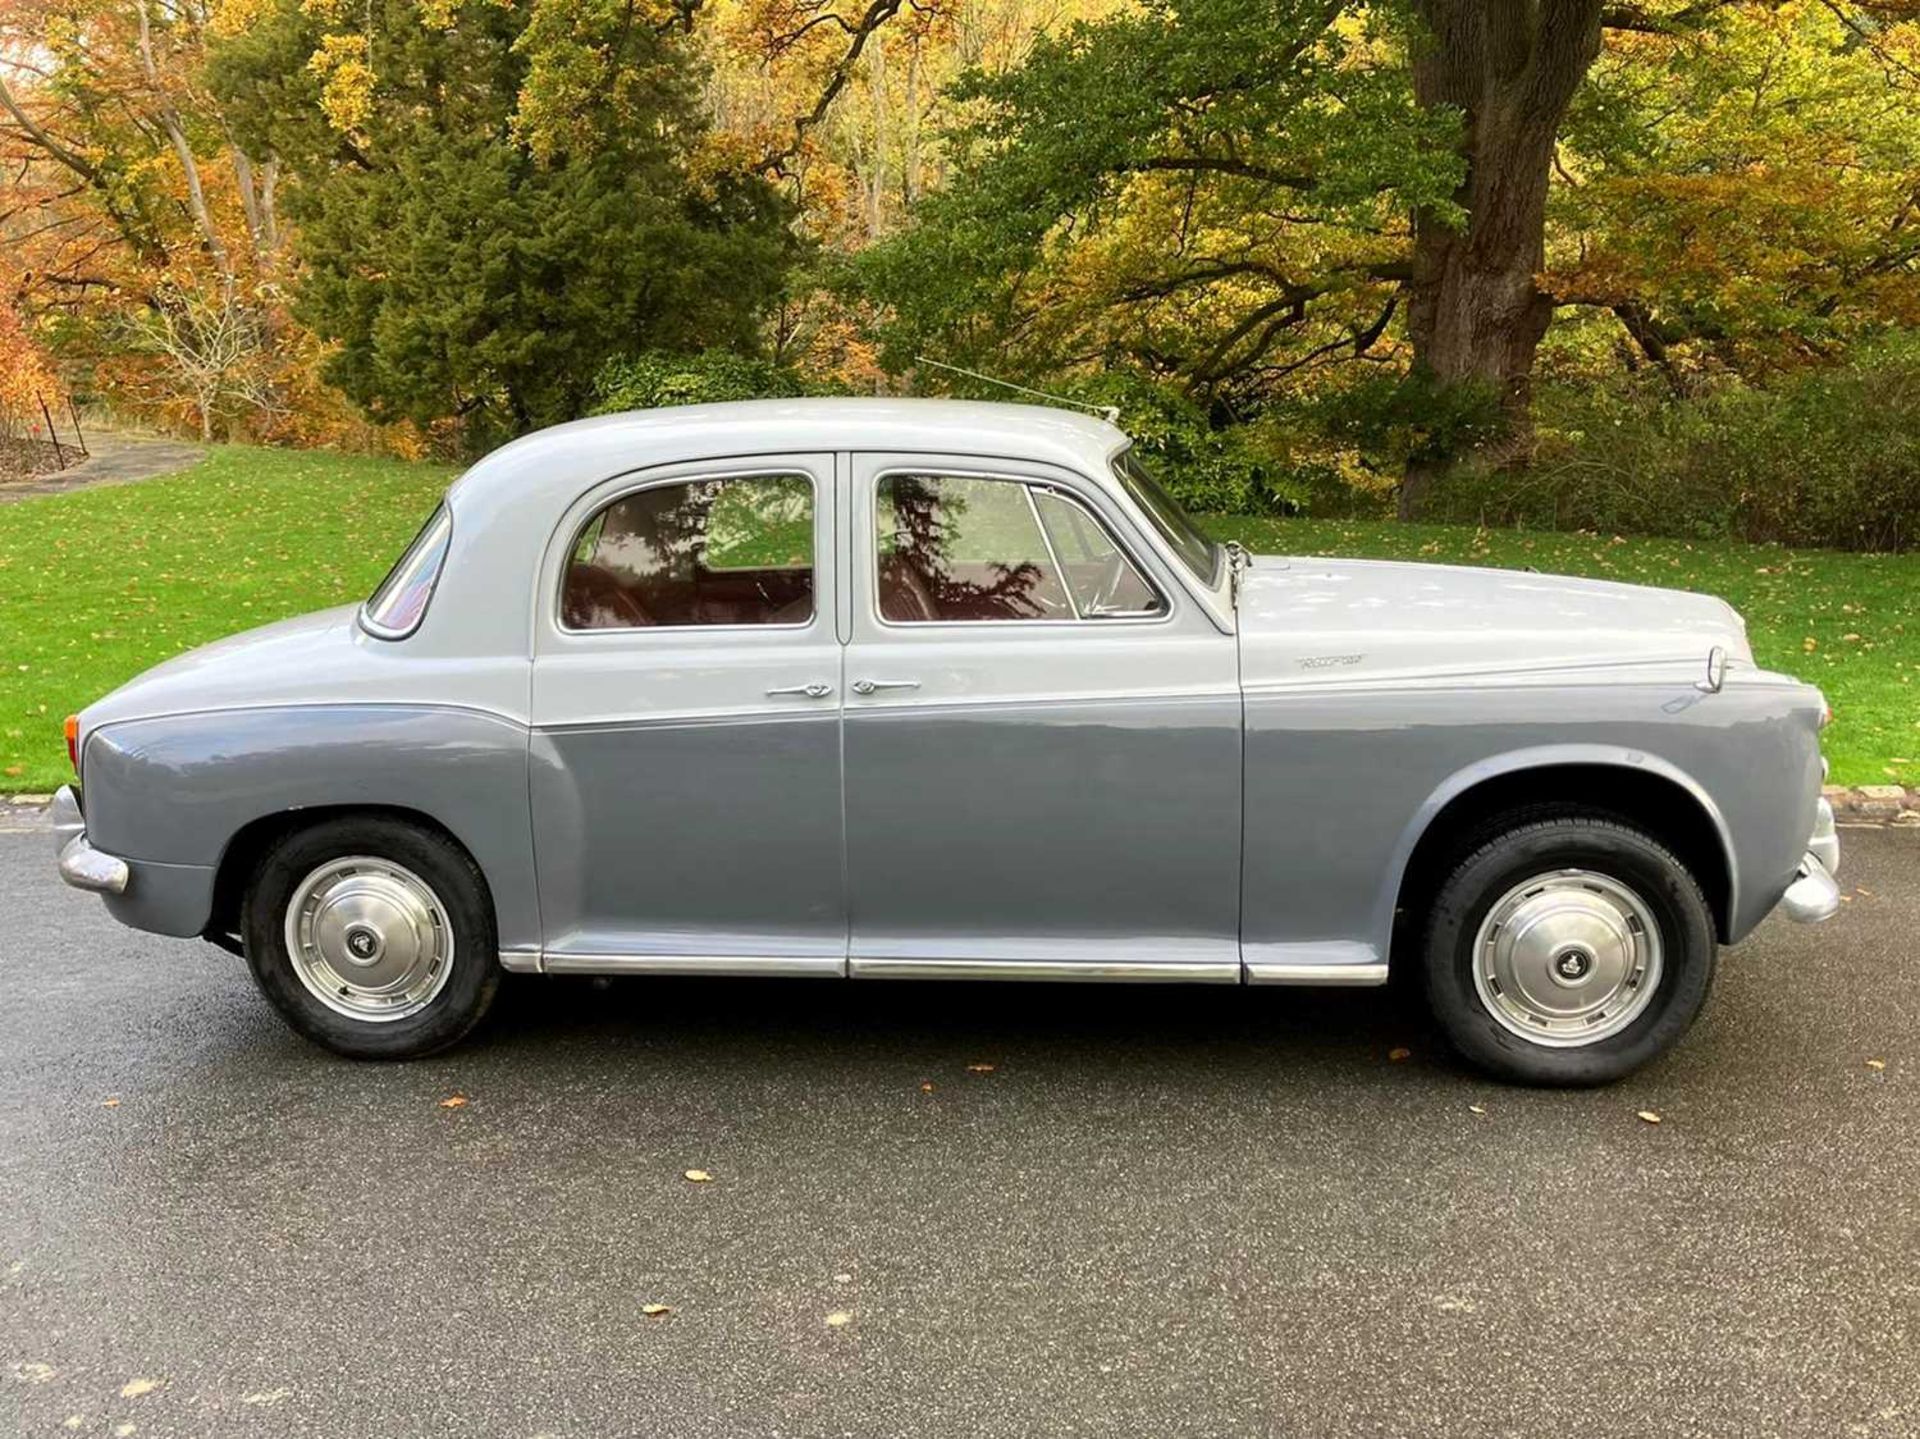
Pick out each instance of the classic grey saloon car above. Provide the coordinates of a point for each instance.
(904, 688)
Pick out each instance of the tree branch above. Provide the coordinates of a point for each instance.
(45, 142)
(1638, 20)
(877, 14)
(1211, 165)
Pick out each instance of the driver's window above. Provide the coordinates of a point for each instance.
(961, 548)
(702, 552)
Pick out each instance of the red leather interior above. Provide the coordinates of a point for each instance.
(599, 598)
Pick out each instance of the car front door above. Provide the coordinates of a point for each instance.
(686, 713)
(1042, 734)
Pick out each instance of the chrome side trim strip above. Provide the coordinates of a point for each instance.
(527, 961)
(1119, 971)
(1659, 668)
(1317, 974)
(830, 967)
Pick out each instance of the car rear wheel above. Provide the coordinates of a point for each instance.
(372, 937)
(1567, 949)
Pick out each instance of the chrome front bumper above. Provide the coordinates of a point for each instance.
(81, 865)
(1813, 895)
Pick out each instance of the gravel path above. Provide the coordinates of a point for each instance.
(116, 460)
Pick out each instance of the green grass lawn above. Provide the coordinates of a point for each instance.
(96, 586)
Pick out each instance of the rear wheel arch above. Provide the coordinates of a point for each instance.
(1657, 800)
(253, 841)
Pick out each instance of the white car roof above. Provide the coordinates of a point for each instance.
(555, 465)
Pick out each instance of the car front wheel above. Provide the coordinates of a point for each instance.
(372, 937)
(1568, 949)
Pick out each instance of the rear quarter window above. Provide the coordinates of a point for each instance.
(396, 608)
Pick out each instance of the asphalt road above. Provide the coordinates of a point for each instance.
(1161, 1212)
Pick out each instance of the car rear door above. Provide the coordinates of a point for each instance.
(1042, 734)
(686, 778)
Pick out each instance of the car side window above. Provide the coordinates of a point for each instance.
(395, 610)
(962, 548)
(732, 551)
(1101, 578)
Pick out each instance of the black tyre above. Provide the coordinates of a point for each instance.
(372, 937)
(1567, 949)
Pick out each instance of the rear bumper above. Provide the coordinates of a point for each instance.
(81, 865)
(1813, 895)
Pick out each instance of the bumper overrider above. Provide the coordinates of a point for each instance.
(1813, 896)
(81, 865)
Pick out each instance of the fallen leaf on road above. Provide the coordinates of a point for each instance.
(1478, 1108)
(1396, 1055)
(112, 1101)
(33, 1373)
(121, 1431)
(1649, 1116)
(698, 1176)
(454, 1101)
(926, 1087)
(1876, 1064)
(134, 1388)
(266, 1396)
(656, 1311)
(839, 1319)
(979, 1069)
(843, 1279)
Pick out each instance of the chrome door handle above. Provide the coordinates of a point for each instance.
(867, 687)
(814, 691)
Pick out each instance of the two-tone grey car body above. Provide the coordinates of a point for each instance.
(902, 688)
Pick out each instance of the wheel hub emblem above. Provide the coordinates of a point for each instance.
(363, 945)
(1573, 964)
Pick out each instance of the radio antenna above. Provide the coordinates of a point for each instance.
(1109, 413)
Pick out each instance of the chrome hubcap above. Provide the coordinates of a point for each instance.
(369, 939)
(1567, 958)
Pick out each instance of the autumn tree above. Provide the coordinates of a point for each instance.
(27, 380)
(1476, 312)
(1219, 193)
(1742, 198)
(493, 200)
(141, 226)
(1237, 196)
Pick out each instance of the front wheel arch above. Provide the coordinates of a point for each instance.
(1648, 799)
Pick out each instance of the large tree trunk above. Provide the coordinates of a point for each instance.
(1475, 310)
